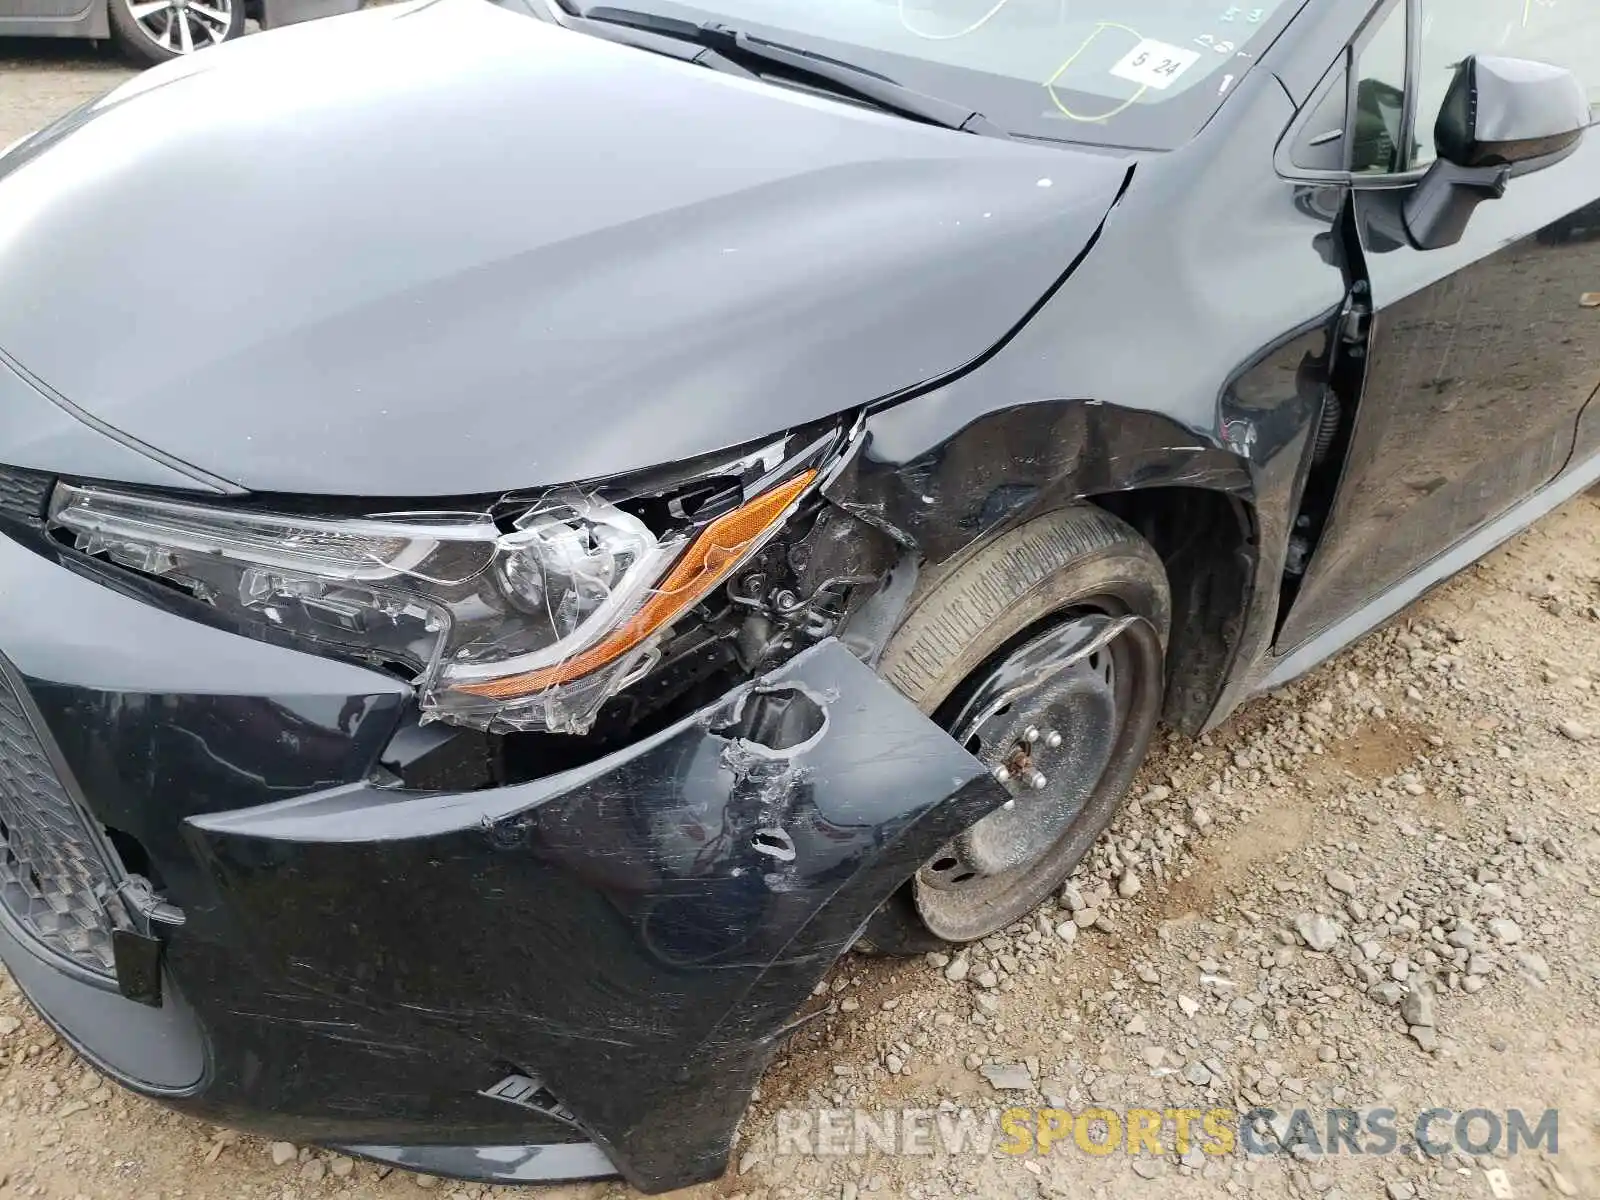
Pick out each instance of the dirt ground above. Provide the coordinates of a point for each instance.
(1376, 888)
(41, 79)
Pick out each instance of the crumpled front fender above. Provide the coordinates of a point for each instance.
(636, 934)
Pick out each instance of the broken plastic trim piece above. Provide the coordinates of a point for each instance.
(527, 1092)
(686, 891)
(784, 718)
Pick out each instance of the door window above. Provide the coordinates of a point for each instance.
(1375, 148)
(1319, 145)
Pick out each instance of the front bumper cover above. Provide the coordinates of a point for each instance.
(554, 979)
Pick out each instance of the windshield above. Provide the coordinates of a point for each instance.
(1143, 73)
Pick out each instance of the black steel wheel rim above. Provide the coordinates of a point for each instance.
(1050, 719)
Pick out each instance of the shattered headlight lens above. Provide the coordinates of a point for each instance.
(526, 623)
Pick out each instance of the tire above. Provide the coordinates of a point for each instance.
(209, 22)
(980, 610)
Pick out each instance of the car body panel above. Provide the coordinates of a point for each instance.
(636, 933)
(1481, 358)
(1274, 672)
(393, 969)
(45, 18)
(44, 431)
(551, 316)
(1228, 406)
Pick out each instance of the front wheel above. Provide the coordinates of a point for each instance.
(1043, 654)
(154, 31)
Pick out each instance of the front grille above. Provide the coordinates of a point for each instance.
(54, 876)
(24, 494)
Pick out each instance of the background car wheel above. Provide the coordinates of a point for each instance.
(1042, 652)
(155, 30)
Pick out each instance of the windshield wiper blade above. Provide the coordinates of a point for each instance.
(805, 66)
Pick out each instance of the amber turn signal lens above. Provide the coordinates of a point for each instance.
(706, 563)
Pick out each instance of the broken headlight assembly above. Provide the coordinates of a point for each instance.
(527, 617)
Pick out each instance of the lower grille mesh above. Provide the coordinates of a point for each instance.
(54, 878)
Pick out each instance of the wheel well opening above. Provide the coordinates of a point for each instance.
(1207, 543)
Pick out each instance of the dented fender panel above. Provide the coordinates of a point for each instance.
(636, 934)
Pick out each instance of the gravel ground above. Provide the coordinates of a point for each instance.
(42, 78)
(1376, 888)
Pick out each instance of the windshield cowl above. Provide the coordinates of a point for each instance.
(1146, 73)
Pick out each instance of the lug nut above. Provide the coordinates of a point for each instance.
(1002, 774)
(1052, 739)
(1037, 781)
(1030, 734)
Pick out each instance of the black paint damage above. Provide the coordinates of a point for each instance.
(634, 935)
(522, 958)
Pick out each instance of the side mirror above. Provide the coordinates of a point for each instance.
(1501, 117)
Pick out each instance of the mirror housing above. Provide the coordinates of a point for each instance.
(1506, 111)
(1502, 117)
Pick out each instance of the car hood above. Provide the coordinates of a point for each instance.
(444, 249)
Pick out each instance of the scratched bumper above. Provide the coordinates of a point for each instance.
(626, 943)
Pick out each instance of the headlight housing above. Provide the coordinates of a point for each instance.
(523, 622)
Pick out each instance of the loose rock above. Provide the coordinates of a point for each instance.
(1007, 1077)
(1318, 932)
(1425, 1036)
(1534, 964)
(1341, 882)
(1506, 931)
(1560, 1182)
(1417, 1008)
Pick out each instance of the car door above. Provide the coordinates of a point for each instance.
(1479, 356)
(35, 11)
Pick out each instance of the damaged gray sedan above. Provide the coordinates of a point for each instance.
(612, 508)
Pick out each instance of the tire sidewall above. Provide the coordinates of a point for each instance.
(136, 43)
(991, 598)
(1006, 588)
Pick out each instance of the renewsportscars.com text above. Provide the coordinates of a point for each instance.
(844, 1132)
